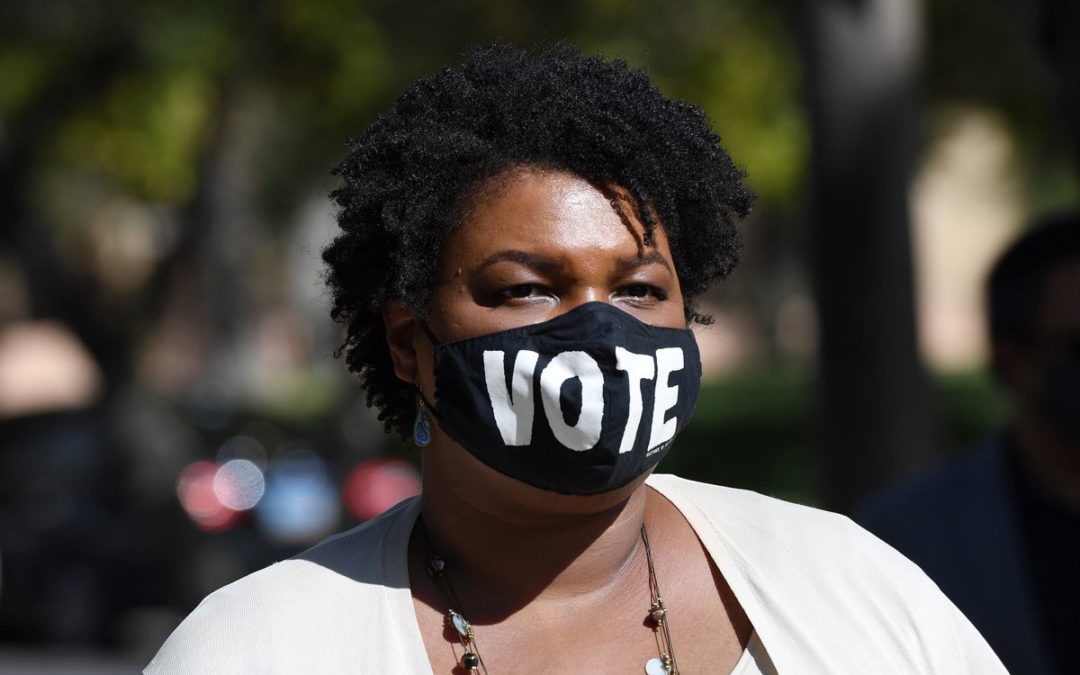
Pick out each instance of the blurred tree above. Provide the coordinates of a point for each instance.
(1054, 27)
(43, 83)
(222, 116)
(874, 416)
(213, 119)
(998, 57)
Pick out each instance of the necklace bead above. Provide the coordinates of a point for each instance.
(461, 625)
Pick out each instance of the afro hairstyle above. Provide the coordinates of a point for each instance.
(408, 179)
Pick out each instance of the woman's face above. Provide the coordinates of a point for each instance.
(535, 245)
(538, 244)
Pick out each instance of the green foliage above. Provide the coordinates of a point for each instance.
(750, 431)
(752, 95)
(984, 55)
(329, 65)
(993, 56)
(753, 430)
(737, 61)
(340, 49)
(178, 38)
(25, 67)
(145, 134)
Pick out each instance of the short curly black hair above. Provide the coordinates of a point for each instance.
(409, 177)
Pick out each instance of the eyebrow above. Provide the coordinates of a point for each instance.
(652, 257)
(521, 257)
(543, 264)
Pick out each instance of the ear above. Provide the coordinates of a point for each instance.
(400, 322)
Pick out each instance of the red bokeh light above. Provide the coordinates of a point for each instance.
(195, 489)
(376, 485)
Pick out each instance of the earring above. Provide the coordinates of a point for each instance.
(421, 430)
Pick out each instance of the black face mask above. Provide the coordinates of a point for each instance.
(581, 404)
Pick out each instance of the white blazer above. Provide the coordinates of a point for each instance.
(824, 596)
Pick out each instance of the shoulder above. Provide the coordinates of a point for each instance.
(840, 595)
(752, 520)
(245, 626)
(199, 643)
(943, 518)
(955, 482)
(772, 532)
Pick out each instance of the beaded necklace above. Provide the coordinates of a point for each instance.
(471, 661)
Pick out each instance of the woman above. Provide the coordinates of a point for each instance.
(523, 239)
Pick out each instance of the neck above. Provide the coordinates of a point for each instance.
(505, 551)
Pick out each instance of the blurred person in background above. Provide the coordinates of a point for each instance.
(998, 528)
(523, 239)
(55, 514)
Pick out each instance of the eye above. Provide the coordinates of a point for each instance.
(643, 292)
(521, 292)
(639, 290)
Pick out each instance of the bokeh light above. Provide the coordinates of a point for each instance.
(376, 485)
(239, 484)
(243, 447)
(300, 505)
(199, 499)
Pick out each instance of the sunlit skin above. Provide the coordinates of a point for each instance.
(553, 583)
(1050, 460)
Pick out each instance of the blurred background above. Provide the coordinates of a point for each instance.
(172, 415)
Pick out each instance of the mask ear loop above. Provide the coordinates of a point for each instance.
(435, 342)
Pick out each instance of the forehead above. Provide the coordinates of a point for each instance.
(563, 214)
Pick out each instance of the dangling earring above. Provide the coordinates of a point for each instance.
(421, 430)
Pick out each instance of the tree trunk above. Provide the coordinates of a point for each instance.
(1054, 29)
(873, 411)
